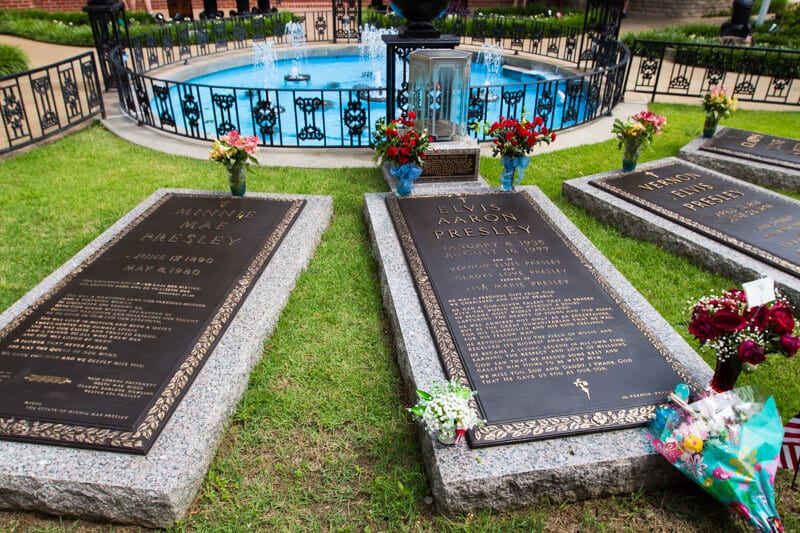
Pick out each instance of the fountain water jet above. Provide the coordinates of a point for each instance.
(372, 55)
(297, 39)
(491, 55)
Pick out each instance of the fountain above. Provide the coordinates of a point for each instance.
(491, 56)
(297, 39)
(372, 55)
(264, 57)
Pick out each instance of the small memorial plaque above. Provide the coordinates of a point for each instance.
(451, 166)
(103, 359)
(519, 314)
(756, 147)
(743, 216)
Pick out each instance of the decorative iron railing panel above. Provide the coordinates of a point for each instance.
(40, 103)
(346, 117)
(751, 74)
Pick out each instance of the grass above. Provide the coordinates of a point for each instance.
(320, 440)
(12, 60)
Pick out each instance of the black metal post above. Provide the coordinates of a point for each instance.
(739, 25)
(110, 30)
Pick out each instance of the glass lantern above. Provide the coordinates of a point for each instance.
(438, 91)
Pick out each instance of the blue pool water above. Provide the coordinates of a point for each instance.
(336, 105)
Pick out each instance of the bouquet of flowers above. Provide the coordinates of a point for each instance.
(398, 143)
(638, 129)
(446, 411)
(234, 150)
(717, 103)
(728, 444)
(741, 335)
(517, 138)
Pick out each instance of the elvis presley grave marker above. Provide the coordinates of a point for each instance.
(743, 216)
(103, 359)
(519, 314)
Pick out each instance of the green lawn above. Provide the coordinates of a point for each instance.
(321, 440)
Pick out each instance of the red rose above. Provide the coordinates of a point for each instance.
(728, 321)
(411, 115)
(789, 344)
(781, 319)
(702, 328)
(553, 137)
(751, 352)
(392, 151)
(758, 317)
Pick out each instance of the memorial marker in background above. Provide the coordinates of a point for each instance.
(519, 314)
(751, 219)
(756, 147)
(103, 359)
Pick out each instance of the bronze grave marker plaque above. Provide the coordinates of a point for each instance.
(518, 313)
(102, 360)
(753, 220)
(759, 147)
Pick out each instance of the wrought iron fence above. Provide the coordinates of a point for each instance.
(346, 117)
(43, 102)
(173, 43)
(751, 74)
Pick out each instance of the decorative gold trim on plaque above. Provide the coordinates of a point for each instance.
(725, 238)
(498, 433)
(138, 440)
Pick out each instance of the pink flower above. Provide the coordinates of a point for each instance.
(721, 474)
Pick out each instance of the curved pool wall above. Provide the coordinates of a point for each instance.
(315, 118)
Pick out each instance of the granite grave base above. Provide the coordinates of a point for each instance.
(519, 474)
(156, 490)
(760, 172)
(680, 239)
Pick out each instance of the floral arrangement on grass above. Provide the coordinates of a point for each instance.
(717, 103)
(729, 445)
(742, 335)
(234, 150)
(517, 138)
(398, 143)
(446, 411)
(638, 129)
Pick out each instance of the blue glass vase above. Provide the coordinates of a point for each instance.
(513, 171)
(236, 179)
(405, 175)
(630, 154)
